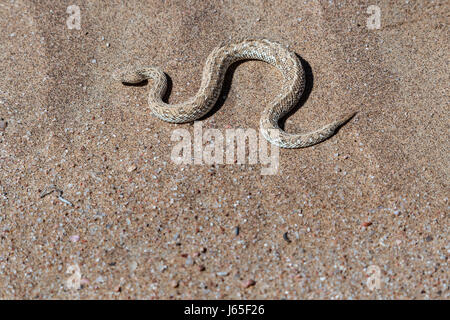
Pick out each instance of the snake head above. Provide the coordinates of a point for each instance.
(133, 75)
(128, 75)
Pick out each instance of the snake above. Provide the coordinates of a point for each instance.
(215, 68)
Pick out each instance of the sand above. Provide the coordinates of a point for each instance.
(373, 198)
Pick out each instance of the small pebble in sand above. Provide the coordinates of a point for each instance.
(132, 265)
(222, 273)
(366, 224)
(132, 168)
(74, 238)
(249, 283)
(100, 279)
(3, 125)
(163, 268)
(429, 239)
(236, 230)
(174, 284)
(285, 237)
(84, 282)
(201, 268)
(189, 261)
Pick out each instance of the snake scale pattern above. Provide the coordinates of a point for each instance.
(213, 76)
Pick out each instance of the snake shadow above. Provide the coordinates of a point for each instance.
(309, 84)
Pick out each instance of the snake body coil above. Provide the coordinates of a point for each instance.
(213, 76)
